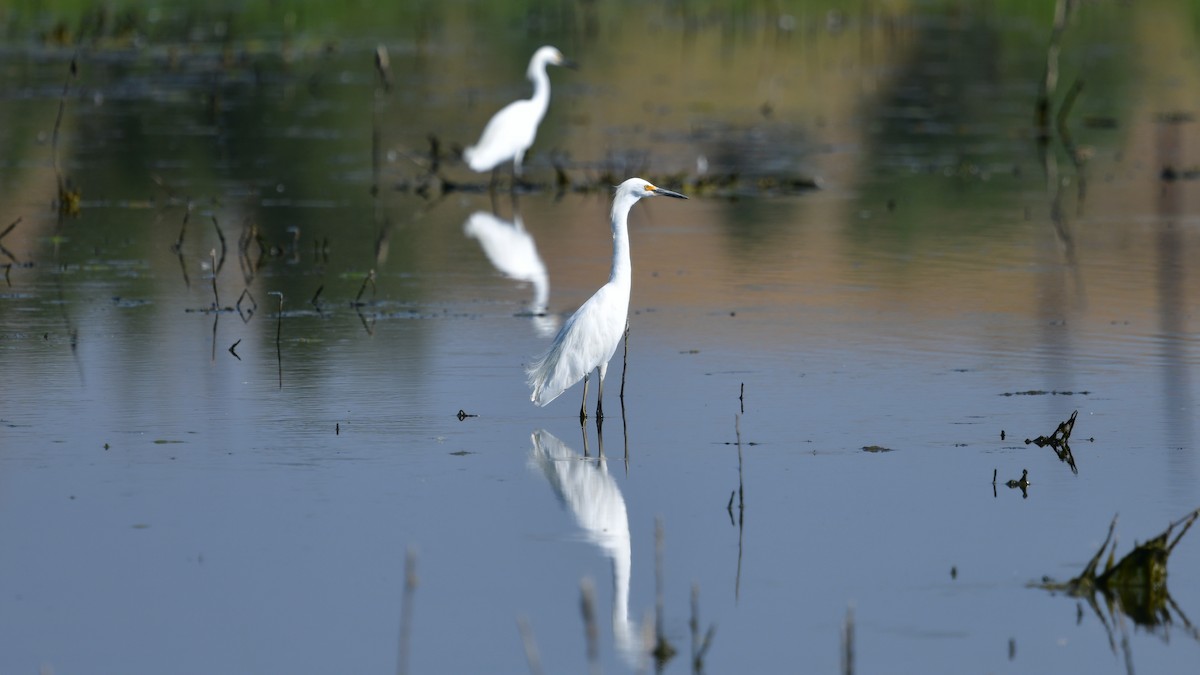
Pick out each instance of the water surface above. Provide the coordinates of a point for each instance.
(237, 491)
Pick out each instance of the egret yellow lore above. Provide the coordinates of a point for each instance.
(511, 131)
(587, 341)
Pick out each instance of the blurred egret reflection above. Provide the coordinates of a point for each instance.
(512, 251)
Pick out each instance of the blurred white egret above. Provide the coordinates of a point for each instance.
(511, 131)
(588, 340)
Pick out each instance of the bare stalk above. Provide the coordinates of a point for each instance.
(212, 254)
(62, 106)
(848, 642)
(531, 652)
(590, 629)
(406, 606)
(278, 337)
(370, 279)
(221, 236)
(663, 651)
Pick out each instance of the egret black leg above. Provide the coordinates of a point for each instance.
(583, 405)
(516, 177)
(600, 401)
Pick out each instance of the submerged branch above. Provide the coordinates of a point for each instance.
(1136, 585)
(1059, 442)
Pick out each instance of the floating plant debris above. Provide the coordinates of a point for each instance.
(1059, 442)
(1136, 585)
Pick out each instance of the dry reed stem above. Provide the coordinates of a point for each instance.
(591, 630)
(406, 611)
(530, 647)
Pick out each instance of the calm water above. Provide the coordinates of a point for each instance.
(194, 492)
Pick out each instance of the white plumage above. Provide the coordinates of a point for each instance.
(511, 131)
(588, 340)
(511, 249)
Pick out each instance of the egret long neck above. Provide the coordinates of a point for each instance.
(623, 630)
(541, 87)
(621, 265)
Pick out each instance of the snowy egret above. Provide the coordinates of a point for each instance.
(511, 131)
(588, 340)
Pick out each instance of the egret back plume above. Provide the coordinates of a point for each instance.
(547, 379)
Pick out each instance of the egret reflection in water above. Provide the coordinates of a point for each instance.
(512, 251)
(586, 489)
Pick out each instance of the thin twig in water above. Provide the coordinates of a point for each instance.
(72, 331)
(624, 423)
(383, 67)
(848, 642)
(741, 520)
(62, 105)
(370, 279)
(316, 295)
(435, 154)
(177, 249)
(4, 250)
(737, 429)
(178, 246)
(221, 236)
(385, 81)
(10, 228)
(531, 652)
(406, 609)
(212, 254)
(216, 319)
(663, 651)
(699, 645)
(367, 324)
(1064, 110)
(1049, 81)
(624, 365)
(382, 244)
(250, 235)
(591, 631)
(625, 435)
(278, 336)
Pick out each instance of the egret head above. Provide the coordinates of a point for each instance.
(639, 188)
(549, 56)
